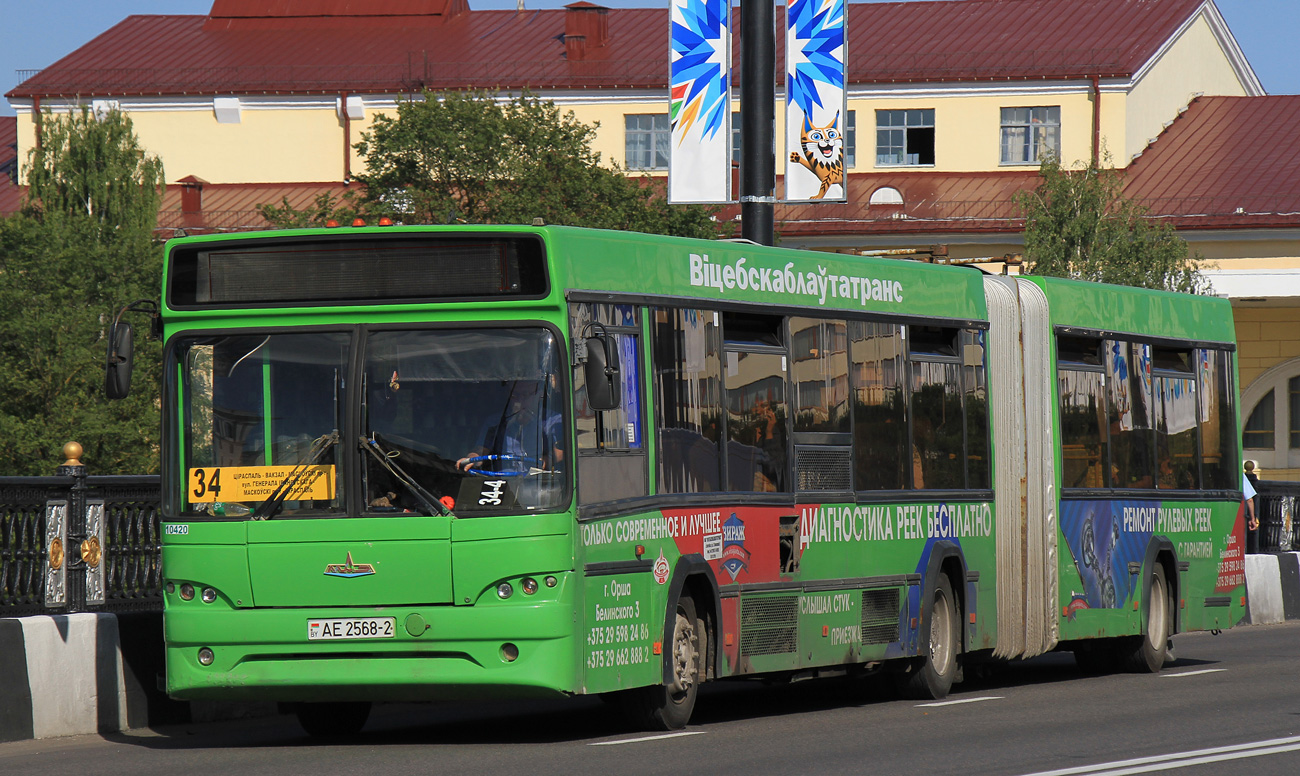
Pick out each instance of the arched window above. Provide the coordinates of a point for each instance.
(1258, 431)
(1271, 430)
(886, 195)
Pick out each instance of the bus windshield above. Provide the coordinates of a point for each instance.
(468, 420)
(470, 414)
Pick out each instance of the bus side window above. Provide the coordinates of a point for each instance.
(610, 444)
(1216, 413)
(687, 371)
(879, 415)
(975, 374)
(1175, 404)
(754, 373)
(1132, 439)
(1081, 381)
(935, 402)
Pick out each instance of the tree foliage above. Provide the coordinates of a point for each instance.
(469, 157)
(1079, 225)
(81, 248)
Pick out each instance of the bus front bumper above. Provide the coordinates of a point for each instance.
(446, 653)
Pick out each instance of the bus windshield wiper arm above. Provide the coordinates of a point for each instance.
(268, 508)
(385, 459)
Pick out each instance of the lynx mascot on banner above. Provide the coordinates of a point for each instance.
(823, 153)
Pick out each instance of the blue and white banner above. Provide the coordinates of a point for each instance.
(815, 109)
(699, 104)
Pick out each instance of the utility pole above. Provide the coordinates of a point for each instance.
(757, 120)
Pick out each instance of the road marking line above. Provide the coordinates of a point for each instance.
(1196, 673)
(1180, 759)
(648, 738)
(963, 700)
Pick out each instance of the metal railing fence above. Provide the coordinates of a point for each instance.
(76, 543)
(1279, 503)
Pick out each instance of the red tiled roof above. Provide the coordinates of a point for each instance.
(1227, 161)
(994, 39)
(932, 202)
(949, 40)
(234, 206)
(264, 9)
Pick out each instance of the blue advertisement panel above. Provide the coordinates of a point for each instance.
(1104, 537)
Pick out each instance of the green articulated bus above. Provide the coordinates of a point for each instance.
(425, 463)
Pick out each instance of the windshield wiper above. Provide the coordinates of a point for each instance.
(268, 508)
(385, 459)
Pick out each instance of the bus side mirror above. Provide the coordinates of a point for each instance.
(602, 373)
(117, 367)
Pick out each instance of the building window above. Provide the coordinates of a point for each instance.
(647, 141)
(850, 139)
(904, 137)
(1030, 134)
(1293, 407)
(1258, 432)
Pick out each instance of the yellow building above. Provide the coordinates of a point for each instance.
(951, 105)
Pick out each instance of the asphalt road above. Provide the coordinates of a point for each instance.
(1229, 705)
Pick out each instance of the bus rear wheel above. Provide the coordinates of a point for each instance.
(332, 720)
(668, 706)
(1148, 655)
(932, 678)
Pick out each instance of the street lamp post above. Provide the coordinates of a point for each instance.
(757, 120)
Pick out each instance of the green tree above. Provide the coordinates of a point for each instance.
(467, 157)
(81, 248)
(1079, 225)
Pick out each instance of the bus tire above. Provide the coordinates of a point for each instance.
(668, 706)
(1149, 653)
(935, 672)
(333, 720)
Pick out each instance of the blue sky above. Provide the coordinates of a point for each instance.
(37, 34)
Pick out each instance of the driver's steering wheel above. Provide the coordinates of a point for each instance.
(530, 463)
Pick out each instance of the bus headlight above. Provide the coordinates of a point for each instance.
(187, 592)
(208, 595)
(504, 590)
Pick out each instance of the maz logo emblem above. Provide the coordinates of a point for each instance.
(349, 569)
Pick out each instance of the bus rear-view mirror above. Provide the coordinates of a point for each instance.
(121, 350)
(602, 374)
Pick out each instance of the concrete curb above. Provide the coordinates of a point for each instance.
(63, 676)
(1272, 588)
(75, 674)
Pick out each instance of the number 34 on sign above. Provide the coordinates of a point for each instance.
(254, 483)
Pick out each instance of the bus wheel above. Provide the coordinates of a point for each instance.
(668, 706)
(934, 675)
(333, 720)
(1149, 655)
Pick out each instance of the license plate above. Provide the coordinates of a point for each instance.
(352, 628)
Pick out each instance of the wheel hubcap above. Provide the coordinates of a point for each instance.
(684, 656)
(940, 633)
(1156, 614)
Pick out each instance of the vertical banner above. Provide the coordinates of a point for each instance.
(699, 102)
(815, 109)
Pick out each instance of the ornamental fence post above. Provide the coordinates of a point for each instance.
(78, 552)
